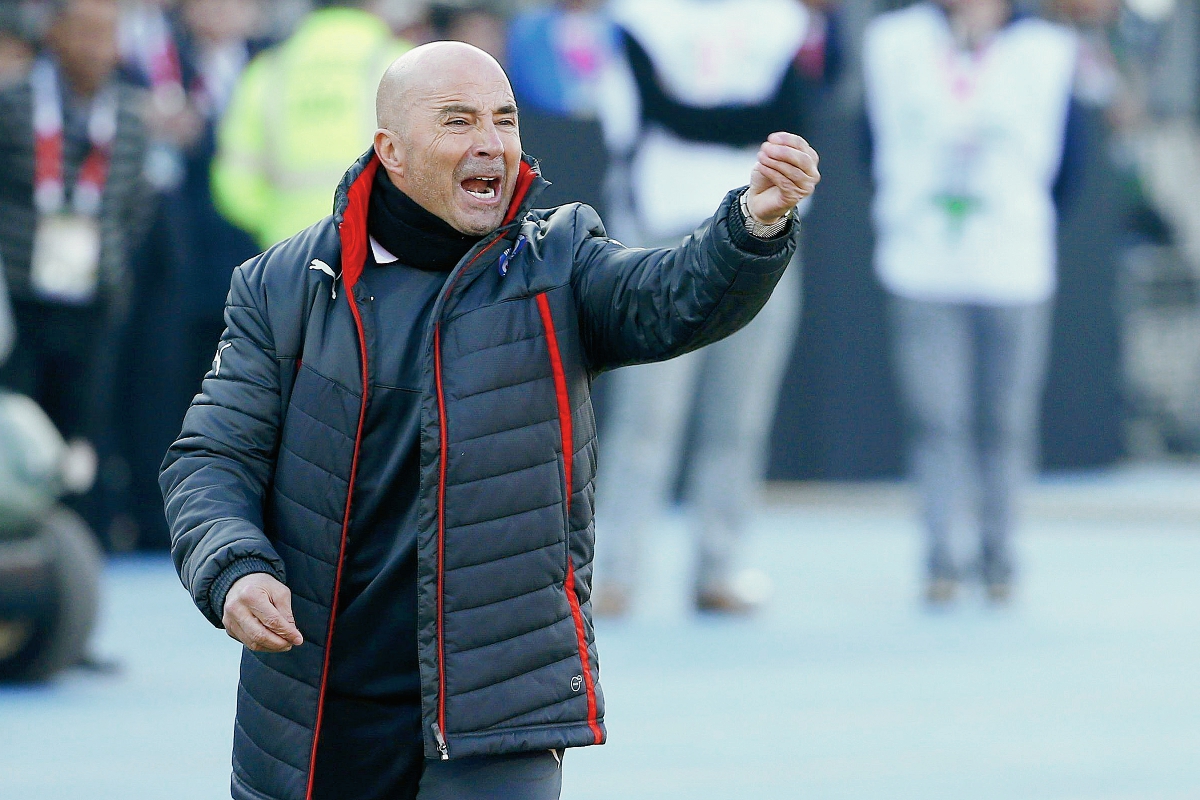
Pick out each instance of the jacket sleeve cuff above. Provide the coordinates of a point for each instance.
(229, 576)
(747, 242)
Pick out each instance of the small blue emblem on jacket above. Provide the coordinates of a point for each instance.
(511, 253)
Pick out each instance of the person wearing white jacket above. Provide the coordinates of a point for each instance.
(968, 105)
(709, 80)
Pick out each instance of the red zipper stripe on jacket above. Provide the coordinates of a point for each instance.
(443, 449)
(568, 449)
(353, 234)
(337, 581)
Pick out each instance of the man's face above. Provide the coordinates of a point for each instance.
(84, 38)
(460, 149)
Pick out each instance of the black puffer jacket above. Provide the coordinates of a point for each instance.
(263, 472)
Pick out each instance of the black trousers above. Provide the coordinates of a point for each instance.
(372, 750)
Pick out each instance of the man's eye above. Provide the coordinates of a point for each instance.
(512, 123)
(458, 122)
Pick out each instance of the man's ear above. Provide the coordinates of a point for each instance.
(391, 154)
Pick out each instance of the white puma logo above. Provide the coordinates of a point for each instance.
(221, 348)
(320, 265)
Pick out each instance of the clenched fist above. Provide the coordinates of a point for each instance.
(785, 174)
(258, 613)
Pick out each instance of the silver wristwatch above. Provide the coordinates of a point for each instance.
(758, 229)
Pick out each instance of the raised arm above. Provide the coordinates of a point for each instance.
(639, 305)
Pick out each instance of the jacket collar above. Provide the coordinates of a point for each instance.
(352, 198)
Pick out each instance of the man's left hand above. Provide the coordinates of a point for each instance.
(785, 174)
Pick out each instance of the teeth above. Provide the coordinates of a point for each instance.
(485, 195)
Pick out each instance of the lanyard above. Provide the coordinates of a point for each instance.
(216, 77)
(147, 41)
(965, 70)
(48, 174)
(163, 64)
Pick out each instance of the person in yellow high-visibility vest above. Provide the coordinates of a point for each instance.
(301, 111)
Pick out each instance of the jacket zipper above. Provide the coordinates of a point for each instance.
(441, 741)
(337, 581)
(439, 727)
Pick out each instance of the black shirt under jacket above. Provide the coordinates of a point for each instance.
(372, 736)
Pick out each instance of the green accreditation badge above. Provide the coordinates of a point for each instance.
(66, 258)
(957, 208)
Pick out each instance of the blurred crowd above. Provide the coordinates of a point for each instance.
(147, 147)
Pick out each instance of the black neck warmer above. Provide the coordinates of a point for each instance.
(412, 234)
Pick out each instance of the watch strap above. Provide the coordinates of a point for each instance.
(758, 229)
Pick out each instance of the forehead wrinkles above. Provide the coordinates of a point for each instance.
(481, 102)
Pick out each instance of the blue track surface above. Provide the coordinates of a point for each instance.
(1086, 688)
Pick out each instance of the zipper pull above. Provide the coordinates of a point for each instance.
(441, 742)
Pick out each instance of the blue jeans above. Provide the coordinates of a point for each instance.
(970, 379)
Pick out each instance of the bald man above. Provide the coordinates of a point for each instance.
(385, 488)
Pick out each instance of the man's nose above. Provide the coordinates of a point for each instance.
(488, 142)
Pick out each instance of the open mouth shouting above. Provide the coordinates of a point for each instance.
(483, 188)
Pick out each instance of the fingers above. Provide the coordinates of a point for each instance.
(243, 625)
(797, 142)
(258, 613)
(283, 602)
(792, 175)
(802, 160)
(265, 606)
(772, 175)
(788, 163)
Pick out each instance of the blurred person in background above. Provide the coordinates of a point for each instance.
(190, 59)
(218, 42)
(476, 22)
(298, 115)
(72, 207)
(148, 368)
(148, 40)
(443, 649)
(820, 61)
(559, 57)
(711, 78)
(564, 60)
(968, 103)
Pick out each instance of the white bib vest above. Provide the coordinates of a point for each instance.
(966, 150)
(707, 54)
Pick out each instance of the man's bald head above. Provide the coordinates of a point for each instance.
(430, 69)
(448, 134)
